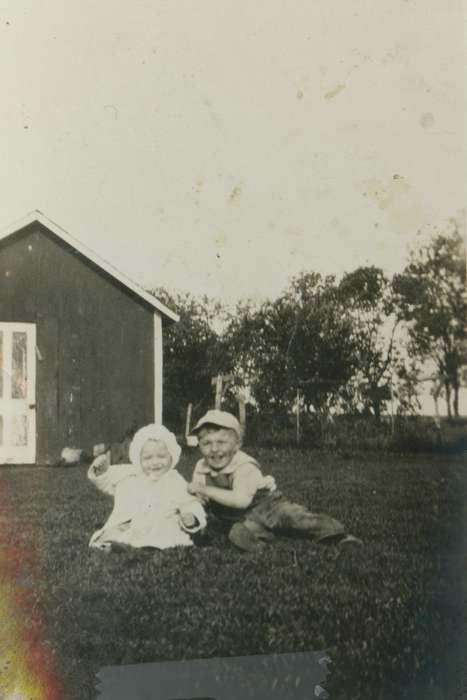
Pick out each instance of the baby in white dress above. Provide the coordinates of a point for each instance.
(152, 507)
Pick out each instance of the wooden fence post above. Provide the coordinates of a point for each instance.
(242, 412)
(188, 419)
(218, 399)
(298, 416)
(221, 381)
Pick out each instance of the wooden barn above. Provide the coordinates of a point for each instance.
(80, 346)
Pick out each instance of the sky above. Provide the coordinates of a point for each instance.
(222, 146)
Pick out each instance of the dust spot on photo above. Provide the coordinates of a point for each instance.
(398, 199)
(294, 231)
(235, 194)
(426, 120)
(220, 240)
(332, 93)
(112, 109)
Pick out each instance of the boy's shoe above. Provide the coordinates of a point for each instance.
(350, 540)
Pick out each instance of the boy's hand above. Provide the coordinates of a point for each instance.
(101, 464)
(188, 520)
(196, 489)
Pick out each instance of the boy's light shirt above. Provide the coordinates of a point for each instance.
(245, 469)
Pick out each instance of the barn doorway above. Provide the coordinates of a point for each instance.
(17, 393)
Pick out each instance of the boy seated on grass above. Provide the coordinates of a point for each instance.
(232, 486)
(152, 507)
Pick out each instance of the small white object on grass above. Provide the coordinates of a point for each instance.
(71, 455)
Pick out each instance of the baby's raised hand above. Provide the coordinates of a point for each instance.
(101, 464)
(198, 490)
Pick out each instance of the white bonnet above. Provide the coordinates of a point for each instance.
(154, 432)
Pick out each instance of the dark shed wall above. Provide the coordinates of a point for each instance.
(96, 340)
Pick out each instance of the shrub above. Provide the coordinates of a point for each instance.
(356, 433)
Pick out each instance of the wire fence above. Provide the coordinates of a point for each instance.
(342, 432)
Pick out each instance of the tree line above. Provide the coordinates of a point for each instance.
(351, 345)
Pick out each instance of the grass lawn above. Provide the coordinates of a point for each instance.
(389, 616)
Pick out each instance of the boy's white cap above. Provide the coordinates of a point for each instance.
(222, 419)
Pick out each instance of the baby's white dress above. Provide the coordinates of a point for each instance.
(146, 513)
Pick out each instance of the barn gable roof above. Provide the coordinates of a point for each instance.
(38, 217)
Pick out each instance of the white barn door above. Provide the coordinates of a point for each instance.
(17, 393)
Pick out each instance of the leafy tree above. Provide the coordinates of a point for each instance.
(368, 298)
(301, 340)
(432, 300)
(193, 352)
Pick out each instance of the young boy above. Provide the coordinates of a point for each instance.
(231, 482)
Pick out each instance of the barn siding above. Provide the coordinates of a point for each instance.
(96, 339)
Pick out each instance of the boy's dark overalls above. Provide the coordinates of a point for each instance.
(268, 513)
